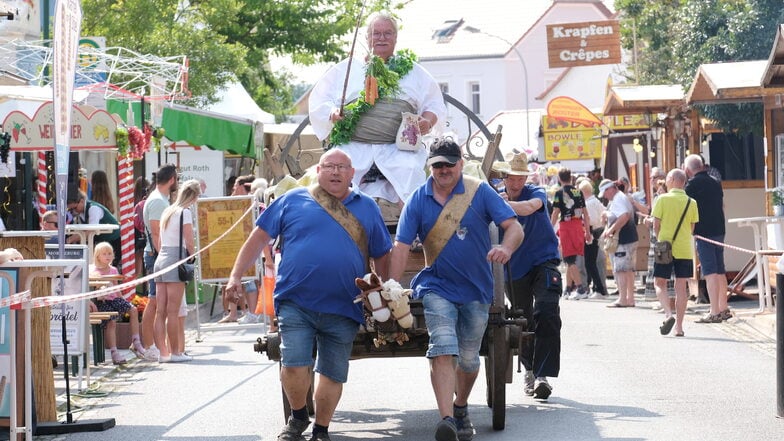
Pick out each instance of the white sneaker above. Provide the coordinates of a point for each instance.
(180, 358)
(162, 359)
(597, 295)
(582, 295)
(248, 319)
(574, 296)
(152, 354)
(528, 383)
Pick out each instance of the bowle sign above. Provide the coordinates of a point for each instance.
(583, 44)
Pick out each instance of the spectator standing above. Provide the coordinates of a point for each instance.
(102, 192)
(534, 280)
(709, 195)
(176, 227)
(456, 286)
(157, 202)
(621, 225)
(314, 293)
(594, 254)
(674, 216)
(574, 230)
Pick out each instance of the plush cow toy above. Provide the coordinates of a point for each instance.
(386, 308)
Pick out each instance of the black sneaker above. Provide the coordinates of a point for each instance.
(465, 430)
(293, 429)
(446, 430)
(542, 390)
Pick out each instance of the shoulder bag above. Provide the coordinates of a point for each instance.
(662, 250)
(184, 270)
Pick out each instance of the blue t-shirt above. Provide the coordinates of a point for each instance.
(319, 260)
(540, 243)
(461, 273)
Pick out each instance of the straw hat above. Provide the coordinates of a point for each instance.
(517, 166)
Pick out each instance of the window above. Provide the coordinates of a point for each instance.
(736, 158)
(473, 90)
(447, 30)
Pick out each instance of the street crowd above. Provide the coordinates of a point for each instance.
(554, 246)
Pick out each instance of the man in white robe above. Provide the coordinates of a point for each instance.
(404, 170)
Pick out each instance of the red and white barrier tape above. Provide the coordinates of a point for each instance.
(127, 237)
(720, 244)
(28, 303)
(15, 299)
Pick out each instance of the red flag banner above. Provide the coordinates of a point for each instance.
(565, 108)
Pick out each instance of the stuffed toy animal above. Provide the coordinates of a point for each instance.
(387, 311)
(371, 293)
(397, 301)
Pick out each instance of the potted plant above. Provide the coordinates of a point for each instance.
(777, 200)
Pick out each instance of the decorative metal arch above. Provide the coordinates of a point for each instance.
(474, 141)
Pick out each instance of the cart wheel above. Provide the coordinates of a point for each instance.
(496, 367)
(499, 351)
(308, 400)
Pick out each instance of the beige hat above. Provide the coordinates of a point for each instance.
(518, 165)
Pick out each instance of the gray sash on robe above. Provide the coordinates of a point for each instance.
(379, 125)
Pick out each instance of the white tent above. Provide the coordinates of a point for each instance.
(234, 100)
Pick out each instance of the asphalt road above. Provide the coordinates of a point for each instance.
(620, 380)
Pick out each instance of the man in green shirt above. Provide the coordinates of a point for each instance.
(667, 213)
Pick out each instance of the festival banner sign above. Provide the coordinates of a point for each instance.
(571, 131)
(583, 44)
(68, 21)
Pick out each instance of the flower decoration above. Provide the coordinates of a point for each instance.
(121, 139)
(777, 196)
(140, 303)
(139, 141)
(157, 135)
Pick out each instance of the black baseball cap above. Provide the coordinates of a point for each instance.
(444, 151)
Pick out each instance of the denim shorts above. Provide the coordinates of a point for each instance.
(333, 335)
(455, 329)
(711, 256)
(684, 269)
(149, 264)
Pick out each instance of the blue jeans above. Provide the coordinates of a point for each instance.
(149, 263)
(333, 335)
(455, 329)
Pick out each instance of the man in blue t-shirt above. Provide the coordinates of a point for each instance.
(315, 290)
(534, 275)
(452, 213)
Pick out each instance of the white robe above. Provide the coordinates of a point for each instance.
(404, 170)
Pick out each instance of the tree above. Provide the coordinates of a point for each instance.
(674, 37)
(231, 38)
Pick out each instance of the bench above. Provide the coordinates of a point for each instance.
(96, 318)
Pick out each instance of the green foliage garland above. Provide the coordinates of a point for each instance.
(388, 76)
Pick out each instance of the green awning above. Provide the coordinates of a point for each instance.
(216, 131)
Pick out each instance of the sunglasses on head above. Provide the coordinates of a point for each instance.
(443, 164)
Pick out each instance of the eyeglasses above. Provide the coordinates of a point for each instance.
(385, 34)
(443, 164)
(332, 167)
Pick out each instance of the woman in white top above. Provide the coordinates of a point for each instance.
(170, 289)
